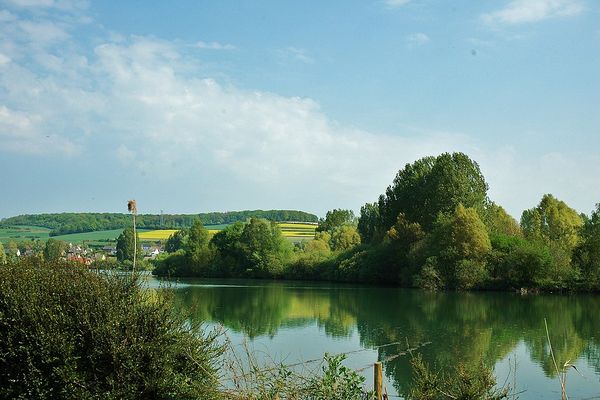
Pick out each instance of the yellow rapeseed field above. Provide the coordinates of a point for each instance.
(287, 230)
(159, 234)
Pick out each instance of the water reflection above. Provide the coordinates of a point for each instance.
(460, 326)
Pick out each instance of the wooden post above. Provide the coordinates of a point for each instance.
(378, 380)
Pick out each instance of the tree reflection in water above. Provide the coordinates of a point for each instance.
(471, 327)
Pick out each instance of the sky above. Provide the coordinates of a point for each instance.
(197, 106)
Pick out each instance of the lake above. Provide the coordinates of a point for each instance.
(296, 321)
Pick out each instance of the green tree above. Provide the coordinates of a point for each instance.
(344, 238)
(405, 233)
(587, 253)
(369, 223)
(335, 219)
(265, 251)
(433, 185)
(126, 245)
(556, 225)
(229, 255)
(54, 249)
(461, 243)
(197, 248)
(2, 254)
(176, 241)
(498, 221)
(552, 221)
(12, 250)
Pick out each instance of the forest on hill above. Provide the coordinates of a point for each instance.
(65, 223)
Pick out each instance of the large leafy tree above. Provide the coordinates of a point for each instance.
(54, 249)
(499, 222)
(176, 241)
(336, 218)
(552, 221)
(458, 246)
(344, 238)
(556, 225)
(433, 185)
(126, 245)
(587, 254)
(369, 223)
(197, 243)
(264, 247)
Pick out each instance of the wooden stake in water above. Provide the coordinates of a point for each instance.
(378, 380)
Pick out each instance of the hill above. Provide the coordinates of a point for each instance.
(66, 223)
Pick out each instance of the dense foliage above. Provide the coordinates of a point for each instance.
(65, 223)
(127, 245)
(252, 249)
(434, 228)
(68, 333)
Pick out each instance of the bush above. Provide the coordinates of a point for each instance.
(68, 333)
(474, 383)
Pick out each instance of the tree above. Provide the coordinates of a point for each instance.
(264, 249)
(587, 253)
(552, 221)
(126, 243)
(433, 185)
(176, 241)
(460, 243)
(369, 223)
(54, 249)
(556, 225)
(498, 221)
(12, 250)
(2, 254)
(197, 245)
(335, 219)
(404, 233)
(344, 238)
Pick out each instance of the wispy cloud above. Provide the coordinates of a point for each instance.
(417, 39)
(297, 54)
(524, 11)
(396, 3)
(214, 46)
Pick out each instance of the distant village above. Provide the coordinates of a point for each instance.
(87, 255)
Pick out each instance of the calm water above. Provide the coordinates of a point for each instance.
(297, 321)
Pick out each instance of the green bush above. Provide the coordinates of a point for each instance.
(68, 333)
(475, 382)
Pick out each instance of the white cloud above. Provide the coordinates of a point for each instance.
(134, 101)
(214, 46)
(297, 54)
(523, 11)
(396, 3)
(417, 39)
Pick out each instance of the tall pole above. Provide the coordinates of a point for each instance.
(132, 208)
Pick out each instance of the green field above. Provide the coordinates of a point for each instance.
(99, 236)
(19, 233)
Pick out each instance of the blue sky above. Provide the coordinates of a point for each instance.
(193, 106)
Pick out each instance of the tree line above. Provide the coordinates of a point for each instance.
(65, 223)
(434, 227)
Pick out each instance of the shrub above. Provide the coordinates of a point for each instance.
(68, 333)
(473, 383)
